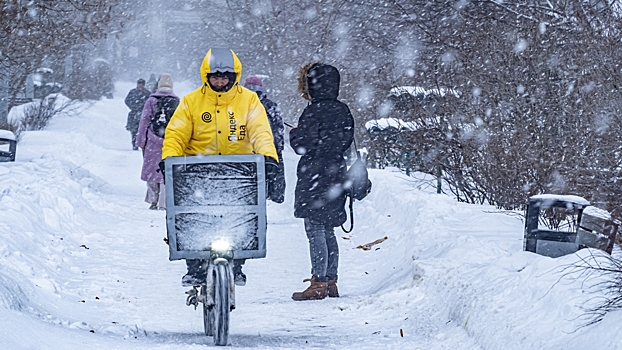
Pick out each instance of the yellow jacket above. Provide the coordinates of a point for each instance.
(208, 122)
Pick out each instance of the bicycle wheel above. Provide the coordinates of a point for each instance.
(208, 315)
(222, 309)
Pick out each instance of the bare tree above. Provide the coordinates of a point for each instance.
(540, 99)
(275, 38)
(33, 31)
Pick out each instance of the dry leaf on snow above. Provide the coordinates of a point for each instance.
(371, 244)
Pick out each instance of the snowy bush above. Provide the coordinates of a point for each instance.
(601, 272)
(36, 115)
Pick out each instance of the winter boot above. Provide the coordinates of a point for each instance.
(332, 289)
(239, 278)
(316, 291)
(191, 280)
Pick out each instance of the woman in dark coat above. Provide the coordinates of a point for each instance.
(324, 133)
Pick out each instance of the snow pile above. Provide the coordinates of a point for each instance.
(549, 199)
(418, 91)
(597, 212)
(386, 123)
(7, 135)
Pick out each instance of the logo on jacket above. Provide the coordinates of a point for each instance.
(233, 127)
(206, 117)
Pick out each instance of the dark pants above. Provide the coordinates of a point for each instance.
(134, 131)
(323, 249)
(198, 267)
(133, 121)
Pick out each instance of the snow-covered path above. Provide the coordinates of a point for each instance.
(94, 273)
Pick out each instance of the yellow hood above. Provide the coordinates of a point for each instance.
(220, 60)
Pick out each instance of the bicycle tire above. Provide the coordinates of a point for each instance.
(222, 307)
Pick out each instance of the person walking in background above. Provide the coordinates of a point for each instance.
(158, 110)
(276, 193)
(220, 117)
(152, 83)
(135, 101)
(324, 133)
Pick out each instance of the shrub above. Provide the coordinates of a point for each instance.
(36, 115)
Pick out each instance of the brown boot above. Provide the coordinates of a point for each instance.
(316, 291)
(332, 289)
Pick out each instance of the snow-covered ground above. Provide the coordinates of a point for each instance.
(83, 264)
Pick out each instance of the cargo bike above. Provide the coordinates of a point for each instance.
(216, 211)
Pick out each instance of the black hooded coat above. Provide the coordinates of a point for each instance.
(324, 134)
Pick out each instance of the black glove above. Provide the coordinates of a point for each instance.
(271, 167)
(161, 169)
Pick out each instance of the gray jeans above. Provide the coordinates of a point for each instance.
(324, 250)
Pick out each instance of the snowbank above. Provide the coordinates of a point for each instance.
(465, 265)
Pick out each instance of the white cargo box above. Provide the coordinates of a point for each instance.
(211, 198)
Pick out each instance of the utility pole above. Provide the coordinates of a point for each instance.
(4, 98)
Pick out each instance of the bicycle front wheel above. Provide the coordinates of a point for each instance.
(222, 307)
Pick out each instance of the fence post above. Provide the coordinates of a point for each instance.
(439, 176)
(4, 98)
(406, 159)
(67, 75)
(30, 87)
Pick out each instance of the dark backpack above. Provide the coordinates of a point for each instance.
(358, 185)
(165, 107)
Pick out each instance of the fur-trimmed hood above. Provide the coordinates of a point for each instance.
(318, 81)
(303, 87)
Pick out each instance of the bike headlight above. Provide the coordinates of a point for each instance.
(221, 245)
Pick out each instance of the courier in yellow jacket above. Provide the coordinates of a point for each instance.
(219, 118)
